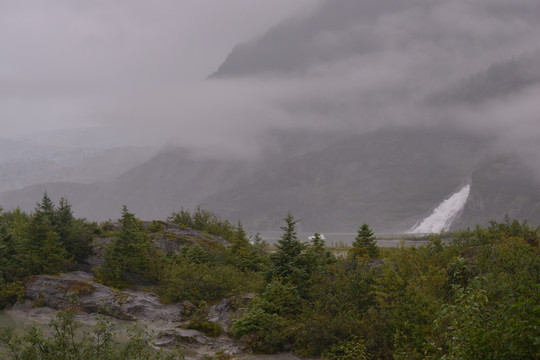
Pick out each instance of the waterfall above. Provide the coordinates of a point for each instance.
(442, 217)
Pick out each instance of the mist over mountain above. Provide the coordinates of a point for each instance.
(389, 178)
(347, 29)
(346, 112)
(23, 164)
(154, 189)
(501, 79)
(172, 179)
(505, 185)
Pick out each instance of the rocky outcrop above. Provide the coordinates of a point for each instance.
(227, 309)
(173, 238)
(169, 239)
(195, 344)
(55, 292)
(46, 294)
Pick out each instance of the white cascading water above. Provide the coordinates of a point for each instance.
(442, 217)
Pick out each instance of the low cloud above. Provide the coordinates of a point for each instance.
(122, 71)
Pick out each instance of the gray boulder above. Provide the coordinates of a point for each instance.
(55, 292)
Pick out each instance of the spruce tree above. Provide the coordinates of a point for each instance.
(240, 239)
(46, 207)
(364, 243)
(128, 254)
(288, 262)
(317, 254)
(42, 241)
(9, 265)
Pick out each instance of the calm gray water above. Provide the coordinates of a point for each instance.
(340, 239)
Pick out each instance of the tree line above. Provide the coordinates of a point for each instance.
(473, 297)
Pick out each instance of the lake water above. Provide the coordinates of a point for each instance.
(346, 239)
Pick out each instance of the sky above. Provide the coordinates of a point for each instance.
(64, 61)
(140, 68)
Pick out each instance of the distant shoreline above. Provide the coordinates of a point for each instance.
(346, 239)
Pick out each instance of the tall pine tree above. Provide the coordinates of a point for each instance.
(288, 260)
(364, 244)
(128, 254)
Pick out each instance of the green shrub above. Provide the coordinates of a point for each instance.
(10, 293)
(156, 226)
(195, 282)
(263, 332)
(67, 342)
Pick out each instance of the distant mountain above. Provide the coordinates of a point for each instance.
(154, 189)
(297, 43)
(23, 164)
(390, 178)
(505, 78)
(502, 185)
(172, 179)
(394, 178)
(338, 30)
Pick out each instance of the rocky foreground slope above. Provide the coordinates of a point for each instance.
(45, 294)
(171, 323)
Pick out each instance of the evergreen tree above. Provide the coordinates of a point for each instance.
(317, 254)
(183, 218)
(55, 257)
(240, 239)
(74, 234)
(128, 254)
(288, 262)
(364, 243)
(317, 241)
(63, 219)
(244, 255)
(195, 254)
(46, 207)
(8, 255)
(42, 241)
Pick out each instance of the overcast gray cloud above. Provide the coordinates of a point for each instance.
(137, 67)
(61, 58)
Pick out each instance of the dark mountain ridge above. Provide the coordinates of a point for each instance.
(390, 178)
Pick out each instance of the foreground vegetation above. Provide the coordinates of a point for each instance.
(67, 342)
(474, 297)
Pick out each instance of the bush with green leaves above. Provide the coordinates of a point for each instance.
(263, 332)
(201, 323)
(68, 342)
(203, 220)
(185, 280)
